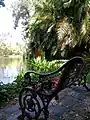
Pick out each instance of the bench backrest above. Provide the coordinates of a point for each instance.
(59, 78)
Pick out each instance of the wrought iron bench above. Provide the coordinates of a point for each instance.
(35, 98)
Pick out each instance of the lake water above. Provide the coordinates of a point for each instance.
(9, 68)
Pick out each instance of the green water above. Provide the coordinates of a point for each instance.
(9, 68)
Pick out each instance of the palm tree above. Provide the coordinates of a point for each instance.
(56, 27)
(39, 32)
(71, 28)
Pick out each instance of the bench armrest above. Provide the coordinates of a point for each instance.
(70, 62)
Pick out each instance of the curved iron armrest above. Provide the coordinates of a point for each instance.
(73, 60)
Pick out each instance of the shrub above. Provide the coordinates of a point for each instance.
(42, 65)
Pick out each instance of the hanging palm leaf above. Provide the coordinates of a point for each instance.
(57, 24)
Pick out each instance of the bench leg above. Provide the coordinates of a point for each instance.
(46, 113)
(20, 117)
(29, 102)
(87, 88)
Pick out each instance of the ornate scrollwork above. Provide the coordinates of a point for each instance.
(29, 103)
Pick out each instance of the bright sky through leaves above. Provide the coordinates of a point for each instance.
(6, 23)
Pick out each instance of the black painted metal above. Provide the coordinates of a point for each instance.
(35, 98)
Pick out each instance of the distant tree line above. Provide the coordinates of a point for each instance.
(6, 50)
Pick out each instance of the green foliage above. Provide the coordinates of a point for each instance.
(42, 65)
(20, 81)
(88, 78)
(47, 28)
(37, 32)
(7, 92)
(10, 90)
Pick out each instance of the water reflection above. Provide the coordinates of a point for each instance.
(9, 68)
